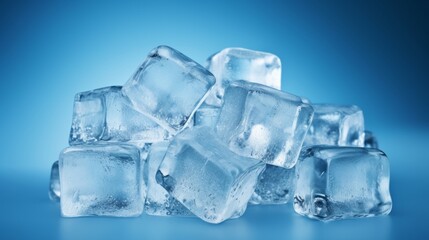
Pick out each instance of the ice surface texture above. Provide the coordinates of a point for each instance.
(54, 183)
(263, 123)
(158, 200)
(275, 186)
(206, 115)
(342, 182)
(341, 125)
(105, 114)
(168, 87)
(214, 183)
(101, 180)
(233, 64)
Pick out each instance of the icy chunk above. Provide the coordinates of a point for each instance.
(214, 183)
(124, 123)
(158, 200)
(54, 183)
(206, 115)
(275, 186)
(370, 140)
(336, 125)
(264, 123)
(105, 114)
(233, 64)
(168, 87)
(89, 117)
(342, 182)
(305, 100)
(101, 180)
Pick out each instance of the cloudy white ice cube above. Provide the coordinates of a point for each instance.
(263, 123)
(101, 180)
(214, 183)
(342, 182)
(233, 64)
(168, 87)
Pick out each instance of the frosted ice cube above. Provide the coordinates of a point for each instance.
(199, 171)
(101, 180)
(336, 125)
(158, 200)
(168, 87)
(370, 140)
(342, 182)
(233, 64)
(275, 186)
(54, 183)
(264, 123)
(206, 115)
(105, 114)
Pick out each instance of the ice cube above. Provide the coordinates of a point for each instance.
(211, 181)
(342, 182)
(168, 87)
(206, 115)
(233, 64)
(336, 125)
(101, 180)
(158, 200)
(370, 140)
(105, 114)
(54, 183)
(264, 123)
(275, 186)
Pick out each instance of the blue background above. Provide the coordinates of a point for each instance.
(372, 54)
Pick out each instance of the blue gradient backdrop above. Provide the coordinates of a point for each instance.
(369, 53)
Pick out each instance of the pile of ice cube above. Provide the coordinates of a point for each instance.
(179, 139)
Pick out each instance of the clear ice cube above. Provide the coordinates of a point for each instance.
(211, 181)
(158, 201)
(233, 64)
(342, 182)
(101, 180)
(54, 183)
(168, 87)
(206, 115)
(275, 186)
(264, 123)
(340, 125)
(370, 140)
(105, 114)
